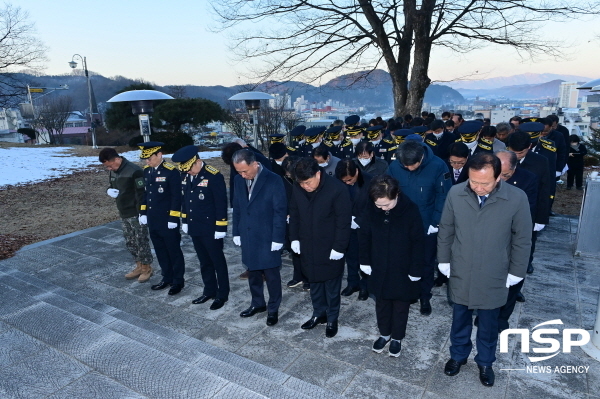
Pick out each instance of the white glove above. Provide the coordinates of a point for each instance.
(413, 278)
(287, 220)
(219, 235)
(538, 227)
(112, 192)
(366, 269)
(354, 225)
(558, 174)
(171, 225)
(296, 246)
(237, 241)
(184, 227)
(512, 280)
(335, 255)
(143, 219)
(275, 246)
(445, 269)
(432, 230)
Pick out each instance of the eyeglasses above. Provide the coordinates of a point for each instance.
(458, 162)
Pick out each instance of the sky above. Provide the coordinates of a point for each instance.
(171, 43)
(18, 168)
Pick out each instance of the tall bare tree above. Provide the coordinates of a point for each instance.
(20, 48)
(307, 39)
(52, 117)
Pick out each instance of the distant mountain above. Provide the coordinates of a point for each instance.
(522, 79)
(518, 92)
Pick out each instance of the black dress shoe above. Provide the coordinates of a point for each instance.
(294, 283)
(175, 289)
(529, 268)
(520, 297)
(272, 318)
(251, 311)
(306, 286)
(452, 367)
(313, 322)
(425, 307)
(331, 329)
(349, 290)
(202, 299)
(486, 375)
(363, 295)
(160, 286)
(217, 304)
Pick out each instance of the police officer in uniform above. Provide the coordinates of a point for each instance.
(161, 210)
(439, 140)
(297, 137)
(381, 146)
(276, 138)
(314, 137)
(337, 145)
(420, 130)
(204, 218)
(353, 131)
(468, 133)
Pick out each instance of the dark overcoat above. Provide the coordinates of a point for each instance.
(260, 220)
(321, 222)
(391, 242)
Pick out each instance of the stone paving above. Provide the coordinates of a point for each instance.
(72, 327)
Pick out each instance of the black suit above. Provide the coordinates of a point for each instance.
(538, 165)
(441, 146)
(463, 176)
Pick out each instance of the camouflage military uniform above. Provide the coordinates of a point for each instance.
(136, 239)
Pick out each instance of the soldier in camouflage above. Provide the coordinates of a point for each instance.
(127, 187)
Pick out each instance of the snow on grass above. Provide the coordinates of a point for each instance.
(22, 165)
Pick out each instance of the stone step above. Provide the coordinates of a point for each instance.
(196, 354)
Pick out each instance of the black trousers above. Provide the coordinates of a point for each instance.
(213, 266)
(168, 253)
(297, 263)
(392, 317)
(326, 298)
(273, 280)
(575, 174)
(511, 301)
(355, 277)
(534, 235)
(429, 266)
(487, 334)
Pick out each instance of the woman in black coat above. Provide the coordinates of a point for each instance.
(391, 241)
(577, 152)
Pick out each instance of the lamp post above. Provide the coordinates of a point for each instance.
(252, 101)
(73, 65)
(142, 104)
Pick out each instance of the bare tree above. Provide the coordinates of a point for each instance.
(308, 39)
(52, 116)
(177, 91)
(19, 48)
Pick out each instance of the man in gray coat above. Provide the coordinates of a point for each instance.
(484, 241)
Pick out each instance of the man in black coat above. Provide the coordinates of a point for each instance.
(458, 154)
(320, 218)
(439, 140)
(358, 187)
(520, 143)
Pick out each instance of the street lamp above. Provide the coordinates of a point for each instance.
(141, 105)
(252, 101)
(73, 65)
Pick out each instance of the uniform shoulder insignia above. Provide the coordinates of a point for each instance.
(212, 169)
(485, 147)
(430, 142)
(292, 149)
(328, 143)
(146, 166)
(346, 143)
(546, 141)
(388, 141)
(549, 147)
(394, 148)
(168, 165)
(486, 141)
(458, 140)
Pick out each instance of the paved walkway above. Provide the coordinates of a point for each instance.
(72, 327)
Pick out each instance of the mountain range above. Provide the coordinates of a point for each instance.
(514, 80)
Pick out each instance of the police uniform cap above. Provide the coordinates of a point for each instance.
(418, 129)
(149, 148)
(531, 127)
(414, 137)
(403, 132)
(314, 131)
(334, 129)
(352, 131)
(298, 131)
(470, 127)
(186, 156)
(277, 150)
(277, 137)
(352, 120)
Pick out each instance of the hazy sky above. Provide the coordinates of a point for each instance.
(168, 43)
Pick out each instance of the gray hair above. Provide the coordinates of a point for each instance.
(410, 152)
(503, 126)
(244, 155)
(512, 158)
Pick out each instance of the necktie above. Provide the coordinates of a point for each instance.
(482, 198)
(456, 174)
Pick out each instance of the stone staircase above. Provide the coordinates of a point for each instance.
(117, 354)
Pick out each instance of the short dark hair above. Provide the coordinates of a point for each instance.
(228, 151)
(446, 113)
(289, 163)
(481, 160)
(553, 118)
(383, 186)
(460, 117)
(305, 169)
(107, 154)
(459, 150)
(424, 114)
(449, 123)
(408, 117)
(320, 151)
(437, 124)
(244, 155)
(546, 121)
(363, 146)
(417, 121)
(346, 167)
(488, 131)
(410, 152)
(518, 141)
(515, 118)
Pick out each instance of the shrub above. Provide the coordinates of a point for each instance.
(590, 160)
